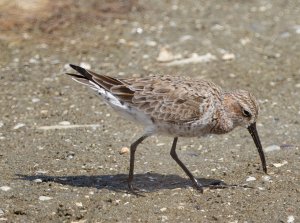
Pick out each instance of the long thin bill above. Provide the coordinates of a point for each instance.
(252, 130)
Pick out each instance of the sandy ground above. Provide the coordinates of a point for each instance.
(77, 174)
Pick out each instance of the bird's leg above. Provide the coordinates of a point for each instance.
(173, 153)
(131, 167)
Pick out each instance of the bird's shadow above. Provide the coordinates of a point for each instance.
(148, 182)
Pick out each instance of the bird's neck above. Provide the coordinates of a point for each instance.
(225, 115)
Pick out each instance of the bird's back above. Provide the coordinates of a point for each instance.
(166, 104)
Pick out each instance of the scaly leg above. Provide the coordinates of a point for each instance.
(131, 167)
(173, 153)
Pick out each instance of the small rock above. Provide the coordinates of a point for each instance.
(151, 43)
(33, 61)
(290, 219)
(78, 204)
(19, 125)
(165, 55)
(64, 123)
(250, 179)
(244, 41)
(1, 124)
(44, 112)
(35, 100)
(228, 56)
(124, 150)
(41, 171)
(5, 188)
(266, 178)
(45, 198)
(164, 218)
(70, 155)
(163, 209)
(1, 212)
(38, 180)
(185, 38)
(122, 41)
(272, 148)
(280, 164)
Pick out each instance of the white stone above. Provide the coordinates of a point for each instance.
(228, 56)
(38, 181)
(272, 148)
(78, 204)
(290, 219)
(124, 150)
(266, 178)
(19, 125)
(64, 123)
(35, 100)
(165, 55)
(250, 178)
(163, 209)
(5, 188)
(280, 164)
(45, 198)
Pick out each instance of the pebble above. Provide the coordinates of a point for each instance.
(280, 164)
(45, 198)
(1, 212)
(250, 179)
(185, 38)
(166, 56)
(41, 171)
(19, 125)
(228, 56)
(164, 218)
(5, 188)
(244, 41)
(163, 209)
(64, 123)
(38, 180)
(266, 178)
(35, 100)
(290, 219)
(1, 124)
(124, 150)
(151, 43)
(272, 148)
(78, 204)
(44, 112)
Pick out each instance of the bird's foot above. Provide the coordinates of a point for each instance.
(198, 186)
(134, 190)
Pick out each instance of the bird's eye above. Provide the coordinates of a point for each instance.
(246, 113)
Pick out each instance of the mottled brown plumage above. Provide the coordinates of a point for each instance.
(176, 106)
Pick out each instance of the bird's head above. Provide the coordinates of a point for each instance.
(242, 109)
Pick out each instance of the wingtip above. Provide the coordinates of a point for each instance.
(74, 66)
(78, 68)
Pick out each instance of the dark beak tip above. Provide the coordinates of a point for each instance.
(253, 132)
